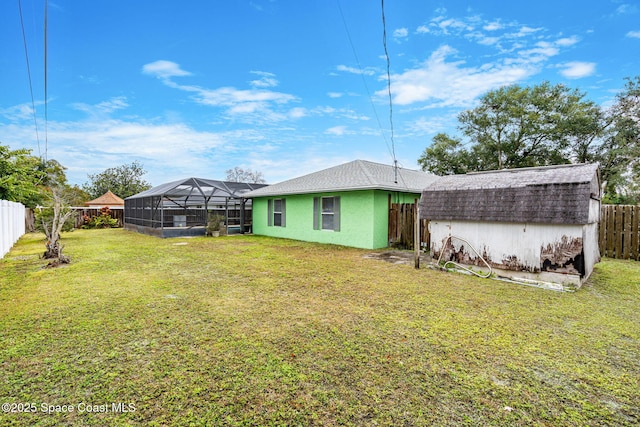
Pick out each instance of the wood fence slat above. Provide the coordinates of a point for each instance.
(602, 241)
(619, 231)
(610, 231)
(402, 217)
(626, 234)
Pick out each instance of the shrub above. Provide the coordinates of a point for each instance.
(104, 220)
(214, 224)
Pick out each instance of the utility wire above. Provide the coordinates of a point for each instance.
(386, 53)
(364, 81)
(26, 54)
(46, 101)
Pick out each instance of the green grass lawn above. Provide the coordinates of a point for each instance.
(247, 331)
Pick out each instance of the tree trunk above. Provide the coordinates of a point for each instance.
(54, 251)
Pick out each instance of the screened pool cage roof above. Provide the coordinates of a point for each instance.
(198, 191)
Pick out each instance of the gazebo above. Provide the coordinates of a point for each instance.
(107, 199)
(182, 208)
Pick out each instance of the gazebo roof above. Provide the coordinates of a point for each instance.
(107, 199)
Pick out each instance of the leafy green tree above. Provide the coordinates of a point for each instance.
(620, 152)
(124, 181)
(21, 176)
(518, 126)
(446, 156)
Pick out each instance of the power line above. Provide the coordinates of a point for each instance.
(46, 101)
(26, 54)
(364, 81)
(386, 53)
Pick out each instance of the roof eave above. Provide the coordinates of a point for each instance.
(334, 190)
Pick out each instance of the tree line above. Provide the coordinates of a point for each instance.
(523, 126)
(42, 184)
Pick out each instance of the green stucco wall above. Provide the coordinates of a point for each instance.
(363, 218)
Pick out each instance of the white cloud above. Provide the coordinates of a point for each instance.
(250, 105)
(105, 107)
(336, 130)
(452, 83)
(450, 25)
(488, 41)
(492, 26)
(567, 41)
(265, 80)
(634, 34)
(90, 146)
(422, 29)
(352, 70)
(232, 97)
(540, 53)
(164, 69)
(526, 31)
(400, 33)
(334, 94)
(19, 112)
(626, 9)
(576, 70)
(431, 125)
(297, 113)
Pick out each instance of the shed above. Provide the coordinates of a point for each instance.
(346, 205)
(182, 208)
(538, 223)
(107, 199)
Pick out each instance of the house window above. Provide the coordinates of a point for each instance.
(277, 212)
(326, 213)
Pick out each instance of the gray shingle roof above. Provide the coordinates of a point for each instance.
(549, 194)
(355, 175)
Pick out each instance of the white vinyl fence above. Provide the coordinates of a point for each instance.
(11, 224)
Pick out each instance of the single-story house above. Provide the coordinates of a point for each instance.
(538, 223)
(182, 208)
(345, 205)
(108, 199)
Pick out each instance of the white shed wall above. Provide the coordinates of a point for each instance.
(518, 248)
(591, 246)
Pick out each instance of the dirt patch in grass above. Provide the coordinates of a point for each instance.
(398, 257)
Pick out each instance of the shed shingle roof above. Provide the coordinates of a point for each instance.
(355, 175)
(550, 194)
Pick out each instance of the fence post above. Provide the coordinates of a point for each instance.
(416, 234)
(3, 232)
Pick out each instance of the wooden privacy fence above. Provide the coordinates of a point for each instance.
(620, 231)
(401, 222)
(116, 213)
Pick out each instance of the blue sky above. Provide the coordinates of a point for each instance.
(193, 88)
